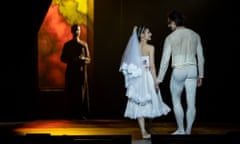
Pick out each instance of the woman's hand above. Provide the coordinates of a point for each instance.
(156, 87)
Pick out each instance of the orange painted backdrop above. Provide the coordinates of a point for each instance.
(55, 31)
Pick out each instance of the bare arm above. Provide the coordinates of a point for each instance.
(152, 65)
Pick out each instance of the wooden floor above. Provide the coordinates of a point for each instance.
(111, 127)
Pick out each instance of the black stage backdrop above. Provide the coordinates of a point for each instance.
(113, 21)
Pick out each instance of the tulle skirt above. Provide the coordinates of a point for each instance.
(152, 108)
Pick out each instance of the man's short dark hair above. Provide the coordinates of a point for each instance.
(177, 17)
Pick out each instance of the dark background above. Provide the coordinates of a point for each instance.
(217, 99)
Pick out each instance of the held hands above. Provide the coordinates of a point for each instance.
(199, 82)
(157, 88)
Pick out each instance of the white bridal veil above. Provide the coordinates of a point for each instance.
(131, 60)
(132, 69)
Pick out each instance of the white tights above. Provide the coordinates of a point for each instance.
(184, 77)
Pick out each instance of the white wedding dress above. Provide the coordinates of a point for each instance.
(145, 101)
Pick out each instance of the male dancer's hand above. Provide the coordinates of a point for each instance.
(199, 82)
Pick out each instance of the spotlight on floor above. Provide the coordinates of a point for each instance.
(65, 139)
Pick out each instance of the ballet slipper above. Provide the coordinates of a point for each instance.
(188, 132)
(179, 132)
(146, 136)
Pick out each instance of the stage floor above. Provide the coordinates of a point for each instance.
(110, 127)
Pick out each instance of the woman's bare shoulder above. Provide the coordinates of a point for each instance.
(150, 47)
